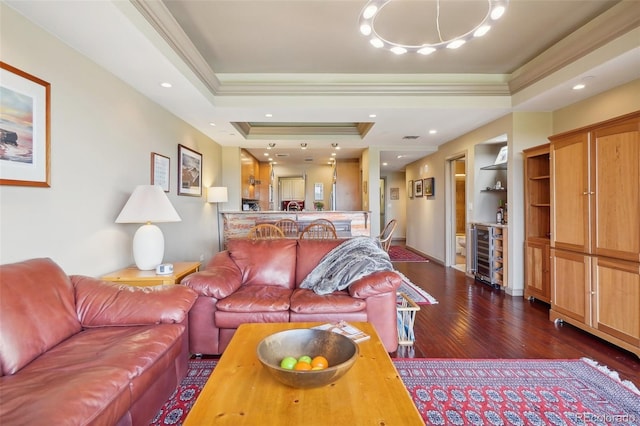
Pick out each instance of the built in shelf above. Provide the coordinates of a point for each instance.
(494, 190)
(502, 166)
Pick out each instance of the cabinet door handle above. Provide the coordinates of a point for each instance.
(588, 193)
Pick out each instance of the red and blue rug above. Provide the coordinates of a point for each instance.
(482, 392)
(401, 254)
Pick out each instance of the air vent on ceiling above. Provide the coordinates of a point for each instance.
(282, 155)
(308, 159)
(410, 137)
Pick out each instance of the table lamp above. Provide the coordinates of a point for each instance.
(148, 203)
(217, 195)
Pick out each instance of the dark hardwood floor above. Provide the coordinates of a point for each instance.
(473, 320)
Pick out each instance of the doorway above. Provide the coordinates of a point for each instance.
(457, 235)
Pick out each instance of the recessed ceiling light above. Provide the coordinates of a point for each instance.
(166, 84)
(433, 131)
(303, 145)
(266, 154)
(333, 154)
(385, 164)
(372, 115)
(579, 86)
(268, 115)
(212, 124)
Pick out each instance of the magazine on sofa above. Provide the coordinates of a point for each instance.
(346, 329)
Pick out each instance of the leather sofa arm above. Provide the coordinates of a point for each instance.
(220, 279)
(100, 303)
(374, 284)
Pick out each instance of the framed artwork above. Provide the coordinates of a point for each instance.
(394, 193)
(25, 122)
(160, 171)
(429, 186)
(410, 189)
(503, 155)
(189, 172)
(417, 188)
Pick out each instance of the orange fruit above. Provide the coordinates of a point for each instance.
(302, 366)
(319, 362)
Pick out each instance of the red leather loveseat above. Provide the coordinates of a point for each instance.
(78, 351)
(258, 281)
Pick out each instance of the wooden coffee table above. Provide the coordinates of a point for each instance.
(242, 392)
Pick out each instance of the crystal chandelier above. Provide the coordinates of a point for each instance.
(495, 10)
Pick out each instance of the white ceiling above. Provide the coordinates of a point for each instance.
(305, 61)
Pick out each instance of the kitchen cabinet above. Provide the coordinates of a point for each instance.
(595, 230)
(537, 222)
(292, 189)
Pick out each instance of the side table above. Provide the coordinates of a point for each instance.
(134, 276)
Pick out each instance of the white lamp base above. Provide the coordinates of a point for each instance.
(148, 247)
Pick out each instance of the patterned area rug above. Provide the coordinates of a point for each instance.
(519, 392)
(482, 392)
(415, 293)
(401, 254)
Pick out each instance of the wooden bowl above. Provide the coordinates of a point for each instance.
(340, 351)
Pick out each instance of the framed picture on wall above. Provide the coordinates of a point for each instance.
(410, 189)
(160, 171)
(394, 193)
(417, 188)
(189, 172)
(429, 186)
(25, 149)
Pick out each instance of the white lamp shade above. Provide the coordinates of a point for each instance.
(148, 203)
(217, 194)
(148, 247)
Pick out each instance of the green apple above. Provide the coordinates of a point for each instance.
(288, 363)
(305, 358)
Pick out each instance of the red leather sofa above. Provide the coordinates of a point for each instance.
(78, 351)
(258, 281)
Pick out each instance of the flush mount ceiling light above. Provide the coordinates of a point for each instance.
(495, 10)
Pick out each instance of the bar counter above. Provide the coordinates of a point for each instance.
(236, 224)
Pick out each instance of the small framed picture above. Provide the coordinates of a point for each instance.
(160, 171)
(417, 188)
(394, 193)
(410, 189)
(429, 186)
(189, 172)
(503, 155)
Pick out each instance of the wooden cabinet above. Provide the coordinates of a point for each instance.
(292, 188)
(537, 222)
(595, 230)
(537, 272)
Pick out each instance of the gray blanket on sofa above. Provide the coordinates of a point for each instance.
(355, 258)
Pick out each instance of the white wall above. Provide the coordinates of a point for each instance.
(102, 136)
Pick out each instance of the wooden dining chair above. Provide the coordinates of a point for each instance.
(289, 227)
(265, 231)
(326, 222)
(318, 231)
(385, 236)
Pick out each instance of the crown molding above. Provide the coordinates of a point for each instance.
(159, 17)
(612, 24)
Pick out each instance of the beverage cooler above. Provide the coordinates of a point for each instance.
(488, 254)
